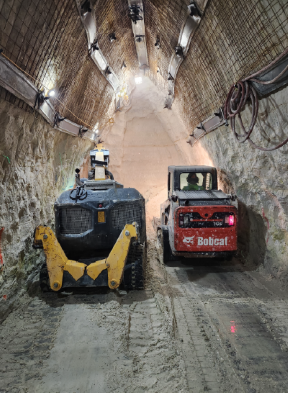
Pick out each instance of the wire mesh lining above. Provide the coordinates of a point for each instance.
(233, 39)
(163, 19)
(112, 17)
(47, 39)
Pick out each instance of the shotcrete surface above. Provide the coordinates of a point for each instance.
(37, 163)
(260, 181)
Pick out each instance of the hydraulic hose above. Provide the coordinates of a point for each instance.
(237, 99)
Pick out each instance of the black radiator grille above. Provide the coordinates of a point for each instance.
(124, 214)
(75, 220)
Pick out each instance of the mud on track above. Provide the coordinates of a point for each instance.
(198, 326)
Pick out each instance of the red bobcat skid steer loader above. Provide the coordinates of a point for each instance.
(197, 219)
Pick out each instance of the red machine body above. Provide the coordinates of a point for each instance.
(197, 219)
(208, 231)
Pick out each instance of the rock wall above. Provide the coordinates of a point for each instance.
(37, 163)
(260, 180)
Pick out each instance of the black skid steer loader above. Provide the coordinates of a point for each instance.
(100, 237)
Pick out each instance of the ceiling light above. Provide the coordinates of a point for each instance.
(193, 9)
(51, 93)
(85, 8)
(107, 71)
(139, 38)
(138, 80)
(134, 11)
(157, 43)
(112, 37)
(179, 51)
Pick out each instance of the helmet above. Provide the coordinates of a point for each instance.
(192, 178)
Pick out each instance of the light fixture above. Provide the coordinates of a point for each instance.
(201, 127)
(157, 43)
(58, 119)
(179, 51)
(85, 8)
(107, 71)
(94, 46)
(139, 38)
(51, 93)
(138, 80)
(82, 131)
(112, 37)
(193, 9)
(134, 11)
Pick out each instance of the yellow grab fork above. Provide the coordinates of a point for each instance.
(57, 261)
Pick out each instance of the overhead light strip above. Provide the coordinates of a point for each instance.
(20, 86)
(87, 15)
(136, 14)
(187, 31)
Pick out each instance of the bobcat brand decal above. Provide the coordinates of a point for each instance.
(212, 241)
(189, 240)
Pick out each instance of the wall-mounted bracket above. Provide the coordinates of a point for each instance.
(136, 14)
(187, 31)
(89, 22)
(20, 86)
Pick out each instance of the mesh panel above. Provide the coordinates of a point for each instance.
(74, 220)
(112, 17)
(124, 214)
(163, 19)
(233, 39)
(47, 40)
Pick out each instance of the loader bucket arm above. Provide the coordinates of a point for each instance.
(57, 261)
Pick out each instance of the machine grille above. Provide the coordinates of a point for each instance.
(75, 220)
(124, 214)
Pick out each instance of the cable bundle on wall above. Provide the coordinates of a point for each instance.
(237, 98)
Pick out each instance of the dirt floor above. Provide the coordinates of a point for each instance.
(205, 325)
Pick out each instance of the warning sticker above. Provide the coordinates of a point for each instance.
(101, 216)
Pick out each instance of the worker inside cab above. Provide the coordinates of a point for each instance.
(195, 181)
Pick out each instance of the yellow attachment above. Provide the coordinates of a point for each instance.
(94, 269)
(56, 259)
(116, 260)
(76, 269)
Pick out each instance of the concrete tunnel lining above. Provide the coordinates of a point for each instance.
(192, 327)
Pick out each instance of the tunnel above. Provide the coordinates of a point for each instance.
(158, 89)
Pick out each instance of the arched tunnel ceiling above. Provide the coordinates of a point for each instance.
(47, 40)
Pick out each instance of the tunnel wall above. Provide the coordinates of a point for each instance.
(260, 181)
(37, 163)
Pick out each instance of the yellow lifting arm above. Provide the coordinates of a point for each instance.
(57, 261)
(116, 260)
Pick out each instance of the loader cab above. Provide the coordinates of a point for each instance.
(192, 178)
